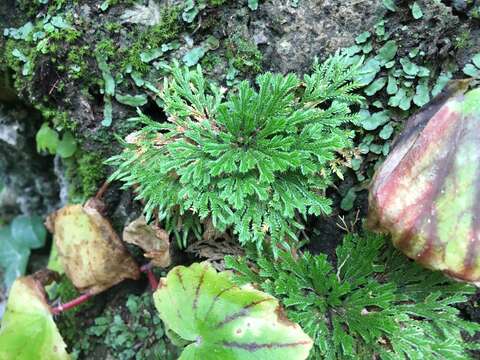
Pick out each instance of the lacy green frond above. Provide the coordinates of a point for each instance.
(374, 304)
(252, 159)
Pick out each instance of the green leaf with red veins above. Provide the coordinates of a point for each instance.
(223, 321)
(427, 192)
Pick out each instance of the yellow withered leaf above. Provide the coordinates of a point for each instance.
(89, 249)
(151, 238)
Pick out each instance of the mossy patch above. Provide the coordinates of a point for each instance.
(244, 55)
(166, 30)
(85, 173)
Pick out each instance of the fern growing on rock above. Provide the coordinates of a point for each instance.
(374, 304)
(253, 158)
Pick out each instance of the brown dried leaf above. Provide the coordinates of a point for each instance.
(151, 238)
(215, 246)
(90, 251)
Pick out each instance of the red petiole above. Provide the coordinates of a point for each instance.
(71, 304)
(150, 275)
(85, 297)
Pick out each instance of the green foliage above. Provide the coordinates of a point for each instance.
(48, 140)
(390, 5)
(417, 12)
(85, 173)
(16, 240)
(252, 159)
(472, 69)
(213, 316)
(244, 55)
(252, 4)
(28, 331)
(129, 331)
(397, 83)
(167, 29)
(193, 7)
(463, 40)
(374, 304)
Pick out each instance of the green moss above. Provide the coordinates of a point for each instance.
(68, 36)
(21, 81)
(92, 172)
(84, 173)
(475, 12)
(113, 27)
(217, 2)
(244, 55)
(60, 119)
(77, 60)
(463, 40)
(106, 48)
(210, 61)
(29, 7)
(121, 2)
(68, 322)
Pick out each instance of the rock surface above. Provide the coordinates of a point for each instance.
(30, 185)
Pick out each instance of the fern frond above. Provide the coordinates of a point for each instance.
(362, 308)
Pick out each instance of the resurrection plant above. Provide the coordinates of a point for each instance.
(253, 159)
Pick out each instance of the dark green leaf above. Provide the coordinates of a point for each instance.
(193, 56)
(363, 37)
(348, 200)
(131, 100)
(375, 86)
(107, 111)
(387, 52)
(386, 132)
(375, 120)
(422, 95)
(471, 70)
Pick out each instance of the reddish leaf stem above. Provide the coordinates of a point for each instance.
(150, 275)
(71, 304)
(102, 190)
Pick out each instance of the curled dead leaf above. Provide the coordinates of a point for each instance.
(89, 249)
(151, 238)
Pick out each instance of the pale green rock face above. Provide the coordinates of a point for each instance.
(222, 321)
(28, 331)
(427, 192)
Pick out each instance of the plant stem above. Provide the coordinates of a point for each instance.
(102, 190)
(71, 304)
(150, 275)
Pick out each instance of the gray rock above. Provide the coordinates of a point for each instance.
(315, 28)
(30, 184)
